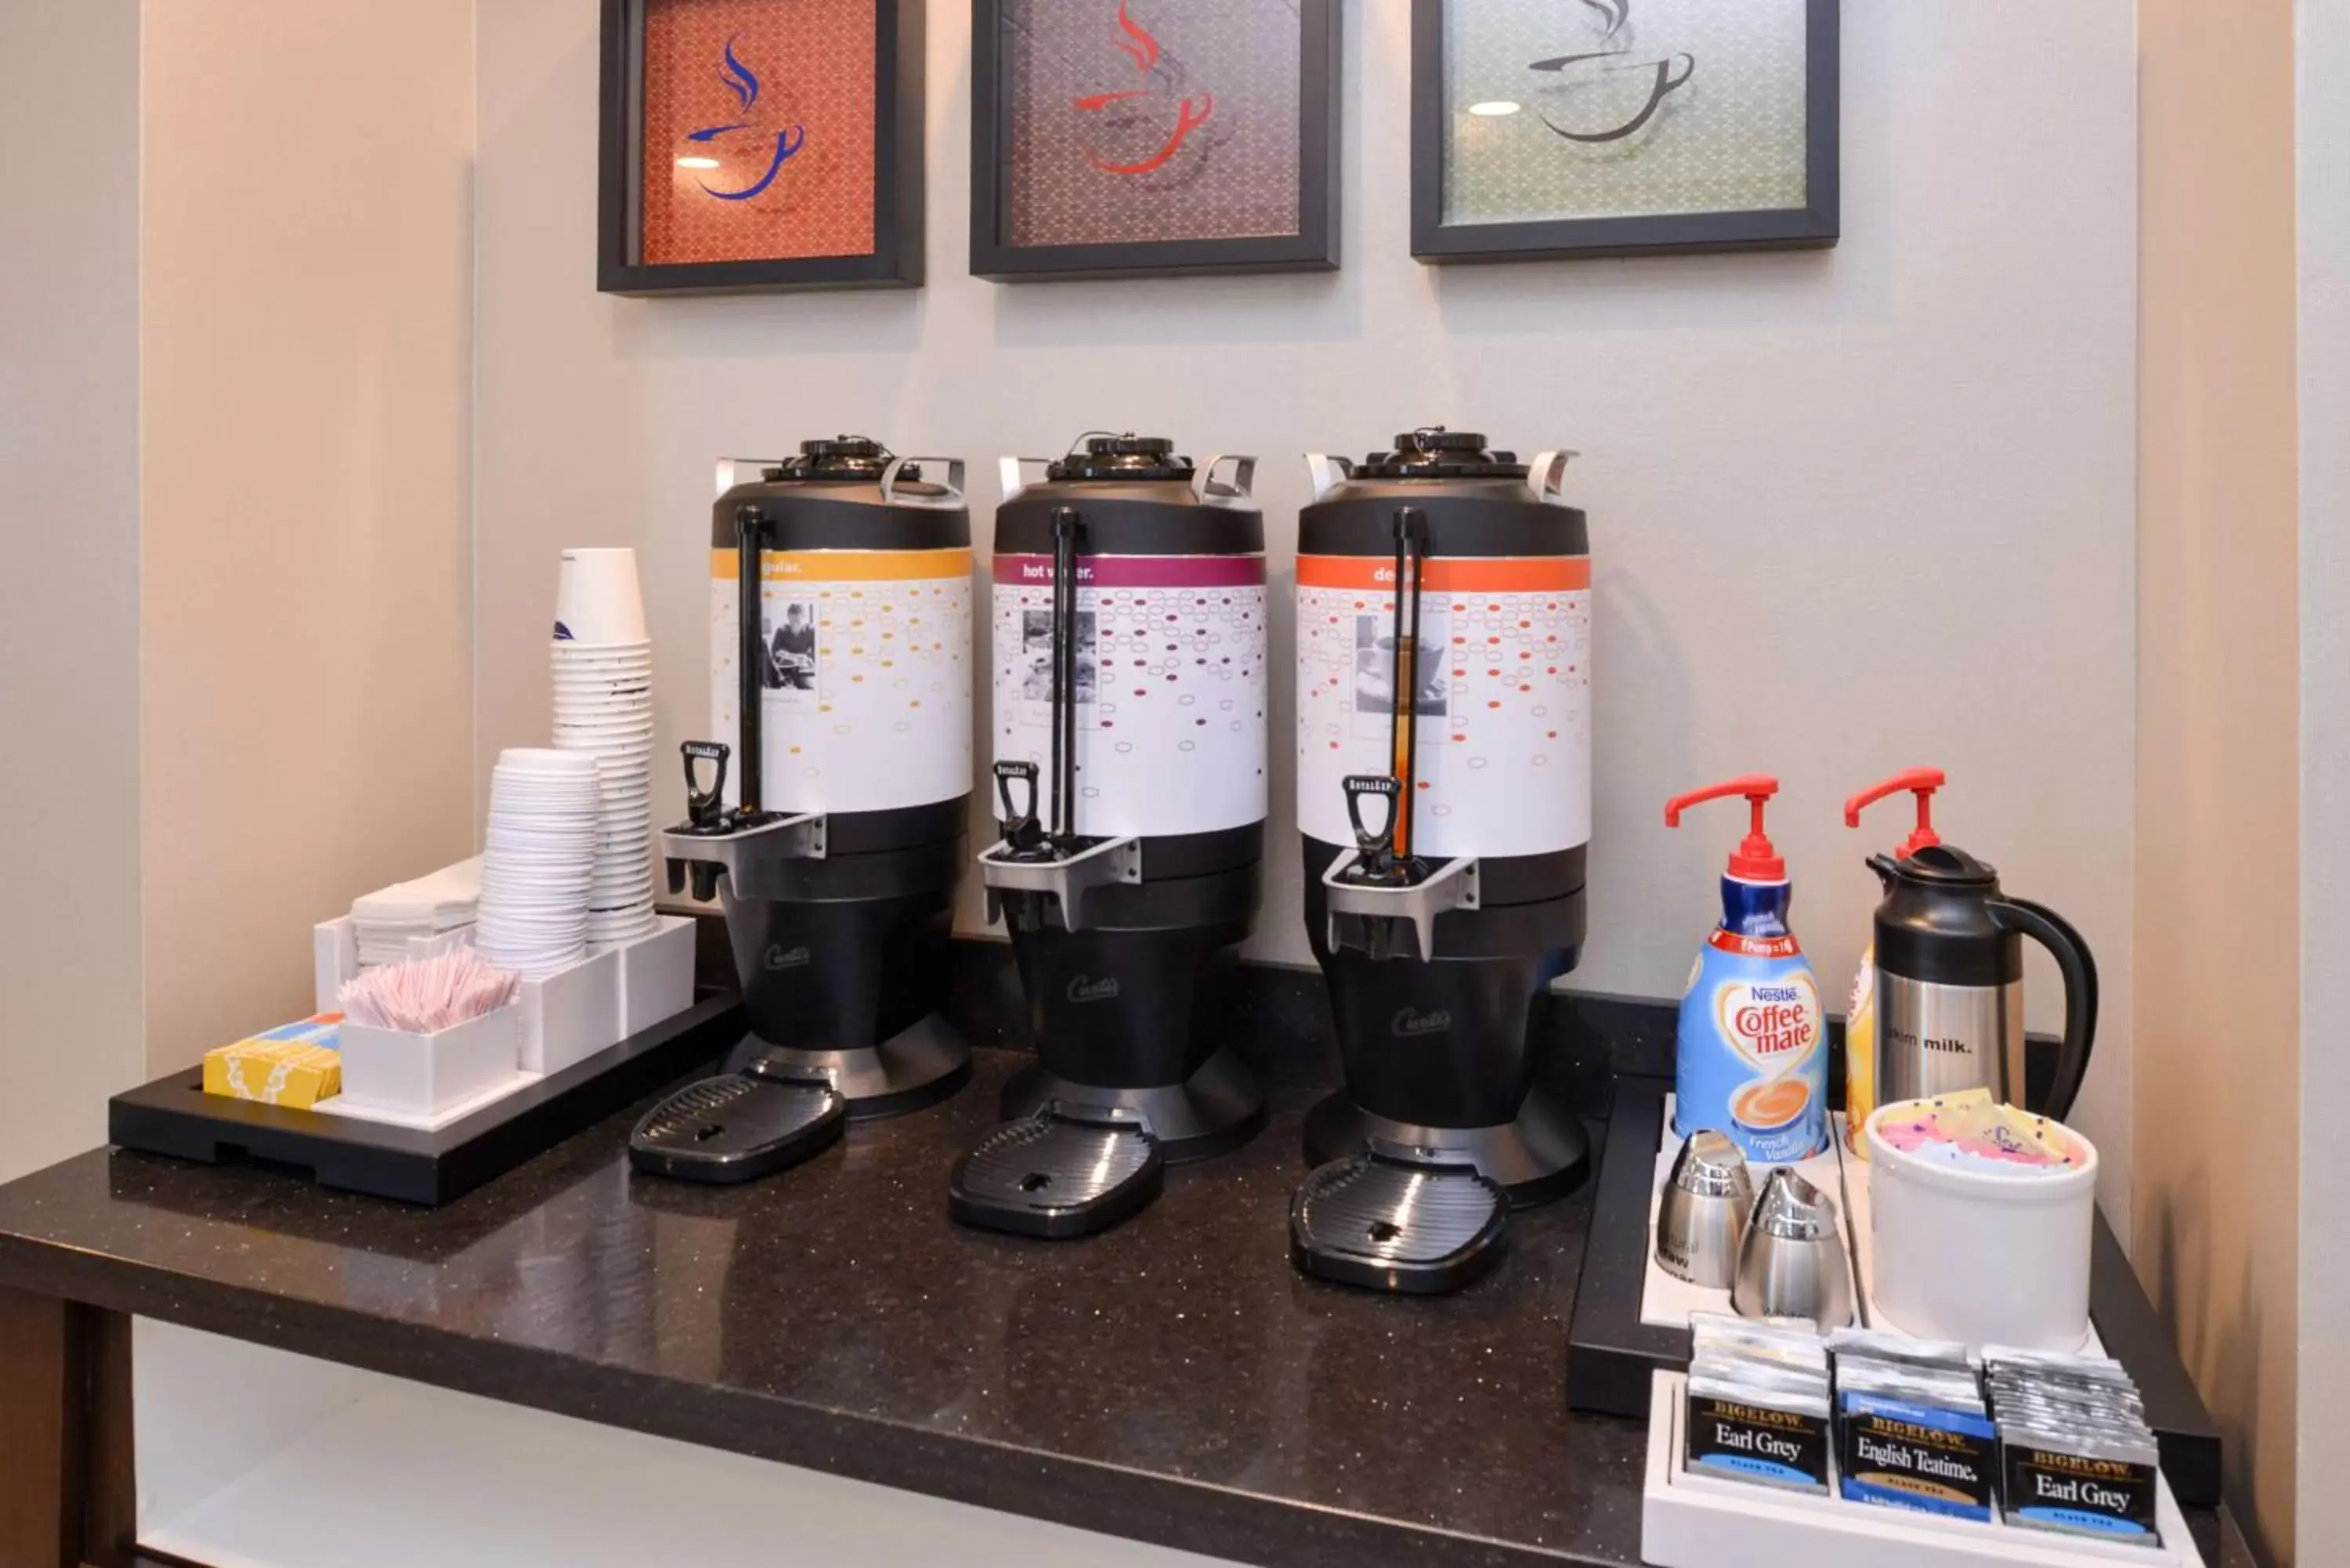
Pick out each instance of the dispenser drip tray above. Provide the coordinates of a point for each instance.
(1067, 1170)
(735, 1128)
(1397, 1221)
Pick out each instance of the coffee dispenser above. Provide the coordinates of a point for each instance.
(1950, 971)
(1444, 796)
(1129, 739)
(841, 627)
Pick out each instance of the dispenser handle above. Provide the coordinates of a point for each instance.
(1359, 787)
(1014, 473)
(1327, 472)
(1019, 821)
(704, 808)
(735, 471)
(1546, 476)
(2053, 931)
(1237, 488)
(1755, 860)
(953, 496)
(1920, 782)
(1756, 787)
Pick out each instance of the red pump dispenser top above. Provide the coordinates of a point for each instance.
(1920, 782)
(1755, 860)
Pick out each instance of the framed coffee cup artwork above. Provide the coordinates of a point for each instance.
(1157, 137)
(760, 144)
(1576, 128)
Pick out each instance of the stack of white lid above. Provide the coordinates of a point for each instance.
(604, 710)
(538, 861)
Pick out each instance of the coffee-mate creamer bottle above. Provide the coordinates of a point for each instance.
(1860, 1019)
(1750, 1056)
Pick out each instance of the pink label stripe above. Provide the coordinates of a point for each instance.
(1138, 571)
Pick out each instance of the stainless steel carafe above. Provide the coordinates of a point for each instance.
(1949, 982)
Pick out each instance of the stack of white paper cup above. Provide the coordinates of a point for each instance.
(604, 708)
(537, 861)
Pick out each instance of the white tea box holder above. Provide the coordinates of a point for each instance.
(1693, 1521)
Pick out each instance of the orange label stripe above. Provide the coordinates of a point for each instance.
(1450, 574)
(850, 565)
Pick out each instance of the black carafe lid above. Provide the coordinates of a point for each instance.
(1936, 923)
(1945, 865)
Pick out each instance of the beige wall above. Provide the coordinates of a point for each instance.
(307, 726)
(2218, 980)
(68, 569)
(1849, 509)
(2322, 1527)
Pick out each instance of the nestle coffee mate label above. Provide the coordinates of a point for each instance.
(1752, 1058)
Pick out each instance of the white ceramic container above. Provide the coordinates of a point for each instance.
(1977, 1256)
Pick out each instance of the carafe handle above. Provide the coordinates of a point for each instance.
(2053, 931)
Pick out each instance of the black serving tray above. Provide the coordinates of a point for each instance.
(173, 1115)
(1611, 1355)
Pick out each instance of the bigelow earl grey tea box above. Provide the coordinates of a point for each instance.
(2078, 1493)
(1733, 1436)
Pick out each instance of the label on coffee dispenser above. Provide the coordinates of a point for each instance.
(865, 676)
(1171, 688)
(1503, 713)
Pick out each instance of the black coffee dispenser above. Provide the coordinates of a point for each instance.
(1444, 797)
(837, 907)
(1130, 739)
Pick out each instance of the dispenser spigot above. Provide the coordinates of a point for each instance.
(1921, 783)
(705, 808)
(1022, 829)
(1754, 859)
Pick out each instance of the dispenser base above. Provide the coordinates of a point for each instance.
(1057, 1175)
(915, 1068)
(1215, 1111)
(1540, 1156)
(1417, 1226)
(733, 1128)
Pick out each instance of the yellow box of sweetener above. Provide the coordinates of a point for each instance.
(294, 1064)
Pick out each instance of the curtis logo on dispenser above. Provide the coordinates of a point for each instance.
(1085, 990)
(780, 957)
(1769, 1022)
(1409, 1024)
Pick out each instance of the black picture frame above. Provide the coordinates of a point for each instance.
(1313, 248)
(1814, 225)
(897, 258)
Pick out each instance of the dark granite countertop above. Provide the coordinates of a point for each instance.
(1173, 1381)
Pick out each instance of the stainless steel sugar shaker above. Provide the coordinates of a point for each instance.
(1702, 1213)
(1792, 1262)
